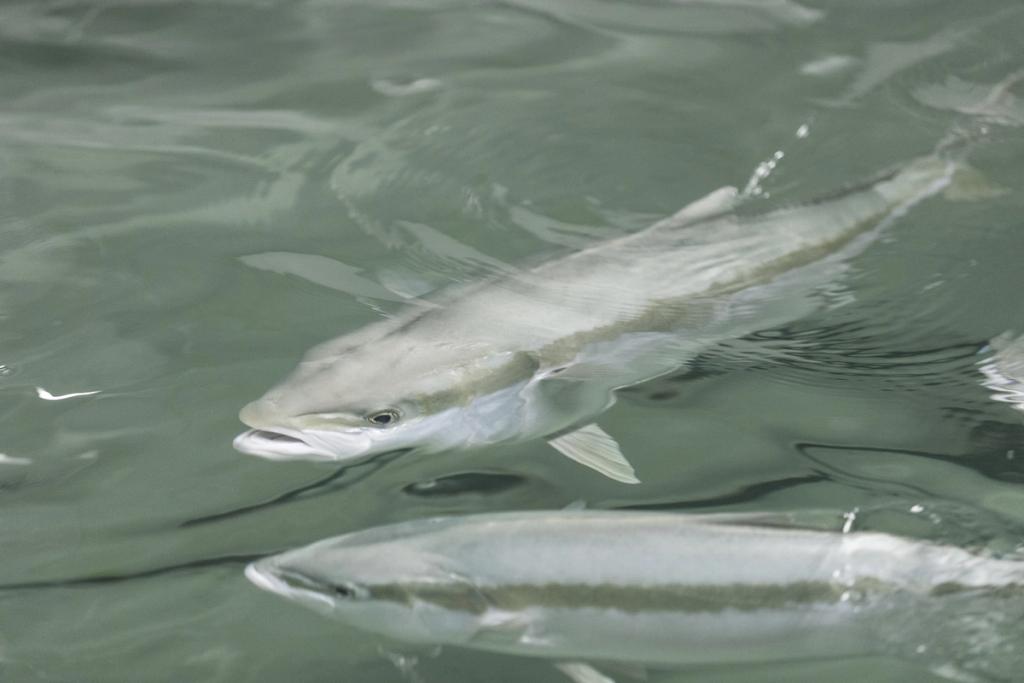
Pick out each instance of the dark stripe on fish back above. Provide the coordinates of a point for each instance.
(855, 188)
(663, 598)
(660, 315)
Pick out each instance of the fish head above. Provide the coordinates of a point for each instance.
(392, 394)
(384, 585)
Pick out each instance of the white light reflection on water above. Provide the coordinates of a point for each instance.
(47, 396)
(1004, 371)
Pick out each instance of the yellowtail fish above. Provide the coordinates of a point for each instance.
(539, 353)
(660, 589)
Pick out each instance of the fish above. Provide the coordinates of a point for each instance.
(1004, 370)
(659, 589)
(538, 353)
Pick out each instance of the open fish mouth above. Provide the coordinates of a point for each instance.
(266, 577)
(275, 445)
(293, 444)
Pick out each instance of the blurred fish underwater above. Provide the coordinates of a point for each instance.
(661, 589)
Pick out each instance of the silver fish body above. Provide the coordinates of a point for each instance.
(655, 588)
(539, 353)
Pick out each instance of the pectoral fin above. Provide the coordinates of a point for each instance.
(500, 629)
(581, 672)
(636, 356)
(591, 446)
(580, 372)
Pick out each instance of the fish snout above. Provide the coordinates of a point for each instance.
(261, 574)
(265, 574)
(277, 436)
(260, 414)
(271, 436)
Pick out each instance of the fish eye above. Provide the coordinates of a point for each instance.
(344, 591)
(348, 591)
(383, 417)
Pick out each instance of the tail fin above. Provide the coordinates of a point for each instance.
(978, 118)
(967, 183)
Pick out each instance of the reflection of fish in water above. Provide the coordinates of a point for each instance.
(655, 588)
(539, 353)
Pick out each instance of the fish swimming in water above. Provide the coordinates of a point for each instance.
(539, 353)
(657, 588)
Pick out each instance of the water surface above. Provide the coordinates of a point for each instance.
(193, 193)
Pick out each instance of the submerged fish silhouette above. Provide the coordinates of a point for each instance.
(539, 353)
(662, 589)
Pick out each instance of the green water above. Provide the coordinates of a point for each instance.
(153, 154)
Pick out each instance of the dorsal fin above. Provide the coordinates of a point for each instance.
(721, 200)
